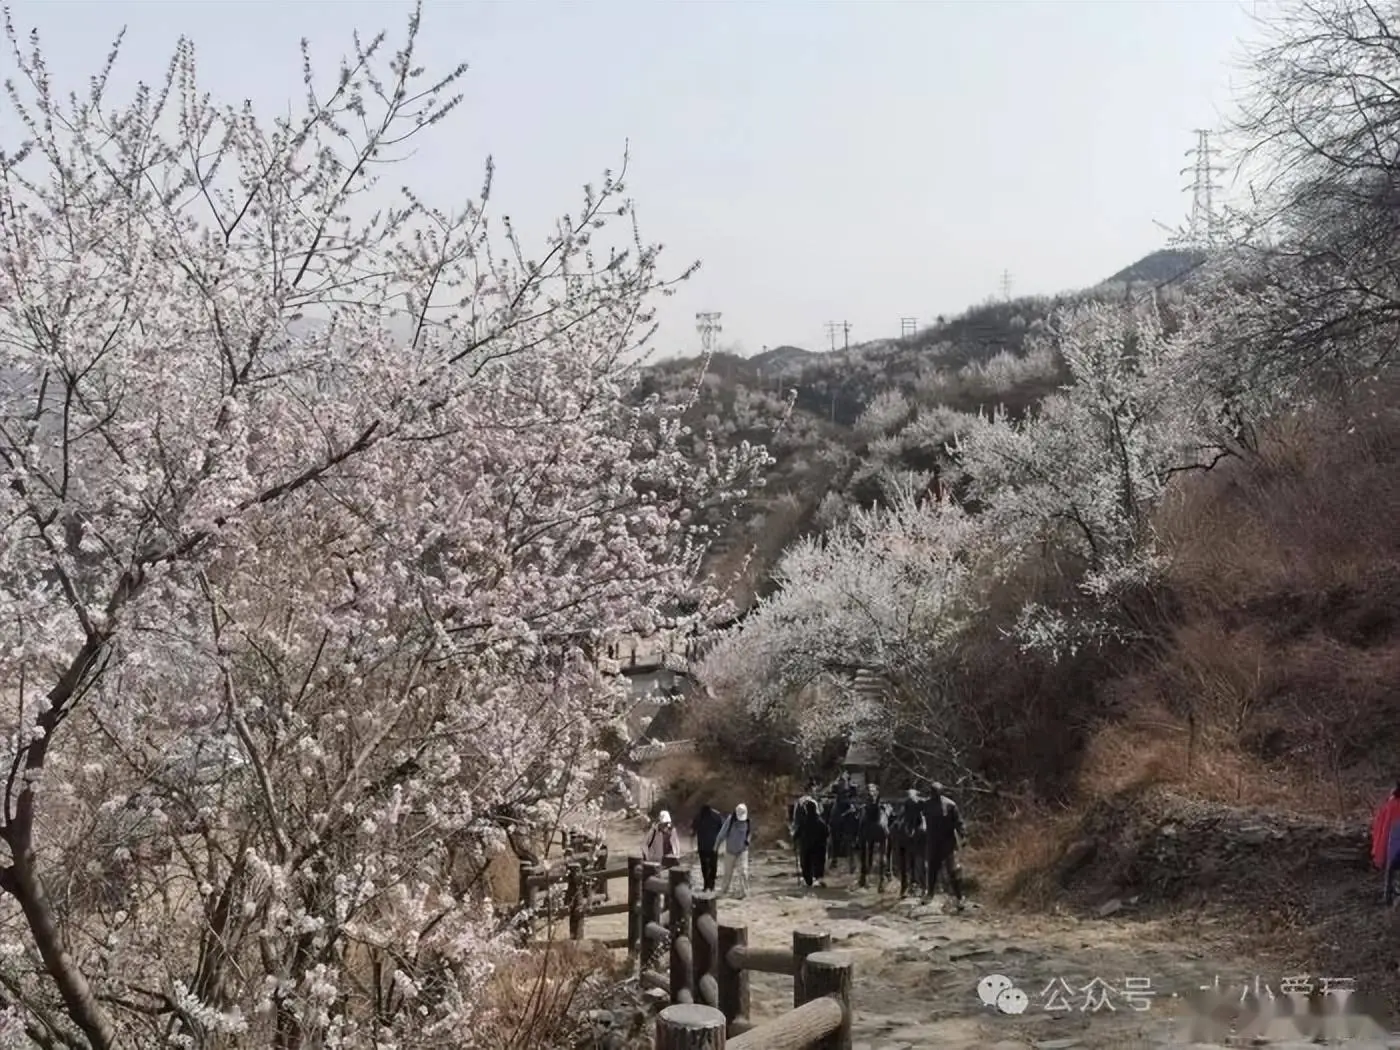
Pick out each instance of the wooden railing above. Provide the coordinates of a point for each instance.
(821, 1020)
(585, 874)
(709, 965)
(679, 946)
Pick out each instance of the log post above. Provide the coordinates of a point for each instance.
(682, 945)
(690, 1027)
(601, 886)
(733, 981)
(525, 901)
(651, 913)
(576, 902)
(804, 943)
(829, 974)
(634, 909)
(705, 937)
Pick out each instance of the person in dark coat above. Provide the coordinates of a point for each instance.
(810, 836)
(705, 827)
(945, 834)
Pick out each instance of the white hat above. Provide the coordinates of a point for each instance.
(664, 817)
(741, 812)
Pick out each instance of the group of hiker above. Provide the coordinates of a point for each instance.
(715, 833)
(921, 834)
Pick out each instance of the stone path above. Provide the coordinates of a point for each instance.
(918, 971)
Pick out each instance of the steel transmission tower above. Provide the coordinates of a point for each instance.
(1203, 229)
(707, 324)
(1006, 285)
(907, 327)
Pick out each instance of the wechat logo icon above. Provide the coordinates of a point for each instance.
(999, 991)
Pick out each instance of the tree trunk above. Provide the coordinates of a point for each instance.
(22, 879)
(79, 1002)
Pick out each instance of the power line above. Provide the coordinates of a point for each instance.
(1203, 227)
(908, 326)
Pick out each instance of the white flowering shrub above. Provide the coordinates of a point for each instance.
(1087, 471)
(313, 509)
(886, 412)
(884, 592)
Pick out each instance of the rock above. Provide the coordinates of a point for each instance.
(1058, 1044)
(968, 953)
(1109, 908)
(656, 998)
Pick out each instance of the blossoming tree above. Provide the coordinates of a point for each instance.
(314, 503)
(883, 595)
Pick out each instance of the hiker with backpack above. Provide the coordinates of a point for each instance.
(662, 840)
(736, 836)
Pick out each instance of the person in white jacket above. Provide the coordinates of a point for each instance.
(735, 836)
(662, 840)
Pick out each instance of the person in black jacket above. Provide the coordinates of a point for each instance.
(946, 833)
(705, 827)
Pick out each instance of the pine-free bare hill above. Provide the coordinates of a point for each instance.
(918, 968)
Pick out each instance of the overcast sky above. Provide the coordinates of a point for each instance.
(859, 161)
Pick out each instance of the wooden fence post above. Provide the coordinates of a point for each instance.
(634, 909)
(601, 886)
(704, 925)
(830, 973)
(525, 871)
(682, 946)
(804, 943)
(690, 1027)
(576, 902)
(733, 982)
(651, 911)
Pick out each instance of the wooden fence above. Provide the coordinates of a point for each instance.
(708, 968)
(584, 874)
(679, 946)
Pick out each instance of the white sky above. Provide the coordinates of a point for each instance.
(825, 160)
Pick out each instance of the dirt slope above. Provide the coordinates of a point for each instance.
(918, 969)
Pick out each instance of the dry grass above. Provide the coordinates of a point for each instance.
(1017, 864)
(1285, 649)
(530, 1001)
(1271, 677)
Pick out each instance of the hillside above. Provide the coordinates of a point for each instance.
(1153, 635)
(1160, 267)
(849, 427)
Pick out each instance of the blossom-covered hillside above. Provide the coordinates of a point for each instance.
(854, 428)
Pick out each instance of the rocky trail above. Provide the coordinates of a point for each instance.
(918, 969)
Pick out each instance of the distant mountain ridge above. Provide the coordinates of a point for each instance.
(783, 357)
(1168, 264)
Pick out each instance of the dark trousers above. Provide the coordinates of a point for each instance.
(943, 860)
(813, 861)
(709, 865)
